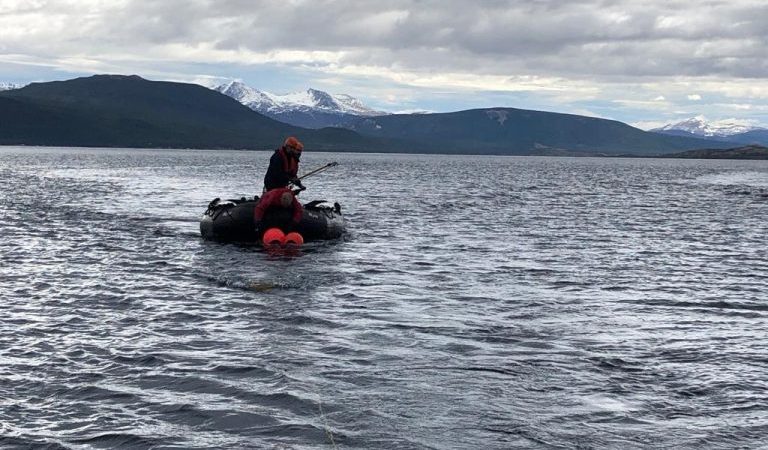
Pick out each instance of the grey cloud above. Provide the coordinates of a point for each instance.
(595, 38)
(654, 37)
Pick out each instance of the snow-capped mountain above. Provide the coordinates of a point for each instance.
(700, 126)
(310, 109)
(252, 98)
(9, 86)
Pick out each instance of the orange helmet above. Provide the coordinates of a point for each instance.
(294, 143)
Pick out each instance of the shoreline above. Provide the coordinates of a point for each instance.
(747, 153)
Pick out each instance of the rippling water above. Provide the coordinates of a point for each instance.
(478, 302)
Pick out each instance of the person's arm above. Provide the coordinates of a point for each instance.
(258, 212)
(263, 204)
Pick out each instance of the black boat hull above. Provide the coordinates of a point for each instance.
(232, 220)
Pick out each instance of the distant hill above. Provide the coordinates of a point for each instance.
(129, 111)
(747, 152)
(757, 136)
(309, 109)
(702, 127)
(729, 130)
(754, 137)
(521, 132)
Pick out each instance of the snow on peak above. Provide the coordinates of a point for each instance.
(323, 100)
(305, 101)
(248, 96)
(499, 115)
(4, 86)
(700, 126)
(352, 105)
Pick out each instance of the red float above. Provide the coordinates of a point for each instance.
(274, 237)
(295, 239)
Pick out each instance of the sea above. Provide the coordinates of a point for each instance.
(475, 302)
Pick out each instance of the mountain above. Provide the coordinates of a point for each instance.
(699, 126)
(309, 109)
(754, 137)
(728, 130)
(129, 111)
(520, 132)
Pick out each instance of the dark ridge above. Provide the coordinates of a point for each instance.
(522, 132)
(754, 137)
(746, 152)
(129, 111)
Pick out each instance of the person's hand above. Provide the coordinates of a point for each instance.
(296, 182)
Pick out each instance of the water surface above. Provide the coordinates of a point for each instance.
(477, 302)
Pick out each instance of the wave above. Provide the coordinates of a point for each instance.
(747, 178)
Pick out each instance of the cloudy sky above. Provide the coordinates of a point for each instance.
(643, 63)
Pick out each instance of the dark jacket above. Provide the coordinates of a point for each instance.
(282, 169)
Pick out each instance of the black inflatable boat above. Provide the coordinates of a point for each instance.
(232, 220)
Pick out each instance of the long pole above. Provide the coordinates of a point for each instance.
(319, 169)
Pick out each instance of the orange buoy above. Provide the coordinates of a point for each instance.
(274, 237)
(294, 238)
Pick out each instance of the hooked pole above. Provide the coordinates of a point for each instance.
(319, 169)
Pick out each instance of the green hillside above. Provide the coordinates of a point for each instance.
(521, 132)
(129, 111)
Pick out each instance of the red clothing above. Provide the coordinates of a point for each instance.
(271, 199)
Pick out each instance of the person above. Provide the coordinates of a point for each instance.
(284, 166)
(278, 198)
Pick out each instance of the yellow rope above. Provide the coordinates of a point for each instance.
(325, 425)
